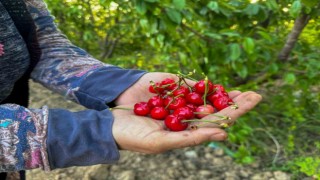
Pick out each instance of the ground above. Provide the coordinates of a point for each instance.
(196, 163)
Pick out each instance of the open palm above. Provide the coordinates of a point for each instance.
(143, 134)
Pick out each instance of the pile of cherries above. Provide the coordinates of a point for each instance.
(178, 103)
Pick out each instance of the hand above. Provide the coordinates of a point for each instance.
(140, 90)
(143, 134)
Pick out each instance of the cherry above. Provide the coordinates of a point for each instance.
(155, 101)
(168, 84)
(222, 102)
(218, 88)
(204, 110)
(174, 123)
(141, 109)
(195, 98)
(212, 97)
(185, 112)
(159, 113)
(156, 88)
(184, 91)
(192, 106)
(200, 87)
(174, 102)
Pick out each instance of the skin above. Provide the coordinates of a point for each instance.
(143, 134)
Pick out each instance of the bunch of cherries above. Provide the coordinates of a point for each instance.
(178, 103)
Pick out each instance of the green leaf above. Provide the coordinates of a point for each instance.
(144, 23)
(174, 15)
(265, 35)
(248, 45)
(179, 4)
(310, 3)
(272, 4)
(290, 78)
(295, 8)
(141, 6)
(230, 34)
(225, 11)
(213, 6)
(213, 35)
(235, 51)
(273, 68)
(151, 1)
(252, 9)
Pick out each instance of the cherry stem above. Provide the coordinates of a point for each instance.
(178, 87)
(208, 120)
(202, 124)
(219, 116)
(205, 90)
(173, 100)
(187, 75)
(155, 87)
(121, 108)
(234, 106)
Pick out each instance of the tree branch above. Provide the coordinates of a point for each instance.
(299, 24)
(205, 38)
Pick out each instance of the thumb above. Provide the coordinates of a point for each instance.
(188, 138)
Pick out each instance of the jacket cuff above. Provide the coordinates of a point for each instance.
(105, 85)
(80, 138)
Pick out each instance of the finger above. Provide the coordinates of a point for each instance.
(245, 101)
(234, 94)
(188, 138)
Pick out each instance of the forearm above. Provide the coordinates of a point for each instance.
(71, 71)
(54, 138)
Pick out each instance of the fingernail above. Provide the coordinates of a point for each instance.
(219, 137)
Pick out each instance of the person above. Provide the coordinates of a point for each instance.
(32, 47)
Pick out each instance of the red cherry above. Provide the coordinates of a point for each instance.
(192, 106)
(204, 110)
(212, 97)
(185, 112)
(218, 88)
(156, 88)
(195, 98)
(174, 103)
(155, 101)
(200, 87)
(168, 84)
(222, 102)
(159, 113)
(141, 109)
(174, 123)
(182, 91)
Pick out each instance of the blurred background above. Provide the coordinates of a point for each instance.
(268, 46)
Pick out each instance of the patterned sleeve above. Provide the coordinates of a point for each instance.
(65, 68)
(54, 138)
(23, 138)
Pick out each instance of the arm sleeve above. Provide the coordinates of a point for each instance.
(71, 71)
(54, 138)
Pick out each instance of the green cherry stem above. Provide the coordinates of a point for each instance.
(217, 115)
(205, 90)
(154, 87)
(174, 98)
(208, 120)
(187, 75)
(120, 108)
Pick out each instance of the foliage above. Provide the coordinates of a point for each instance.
(308, 165)
(236, 43)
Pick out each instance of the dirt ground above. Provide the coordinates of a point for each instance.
(197, 163)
